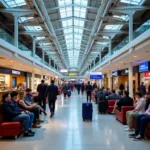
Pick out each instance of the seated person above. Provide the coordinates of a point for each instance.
(141, 121)
(139, 104)
(124, 101)
(113, 96)
(12, 113)
(28, 100)
(15, 101)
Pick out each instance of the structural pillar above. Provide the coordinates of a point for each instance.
(49, 62)
(110, 80)
(100, 57)
(130, 80)
(43, 56)
(130, 27)
(34, 46)
(16, 31)
(110, 45)
(32, 81)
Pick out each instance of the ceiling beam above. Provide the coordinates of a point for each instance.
(71, 5)
(34, 33)
(78, 27)
(110, 32)
(84, 35)
(68, 18)
(128, 9)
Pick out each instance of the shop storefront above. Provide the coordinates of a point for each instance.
(144, 74)
(47, 79)
(11, 79)
(37, 80)
(104, 81)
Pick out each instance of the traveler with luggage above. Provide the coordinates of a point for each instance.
(88, 91)
(78, 88)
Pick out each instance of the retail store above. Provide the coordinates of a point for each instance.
(37, 80)
(11, 79)
(144, 74)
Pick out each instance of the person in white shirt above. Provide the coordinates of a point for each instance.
(141, 121)
(139, 104)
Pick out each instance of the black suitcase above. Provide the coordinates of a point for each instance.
(102, 107)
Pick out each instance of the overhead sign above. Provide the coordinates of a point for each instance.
(115, 73)
(96, 75)
(63, 71)
(143, 67)
(147, 74)
(16, 72)
(72, 74)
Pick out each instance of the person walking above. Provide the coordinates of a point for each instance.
(64, 88)
(41, 89)
(51, 93)
(82, 88)
(88, 91)
(78, 88)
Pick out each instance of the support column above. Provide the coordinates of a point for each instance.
(131, 80)
(49, 62)
(100, 57)
(16, 31)
(110, 45)
(34, 46)
(110, 80)
(130, 27)
(32, 81)
(43, 56)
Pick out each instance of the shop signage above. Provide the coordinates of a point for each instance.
(115, 73)
(147, 74)
(143, 67)
(16, 72)
(96, 75)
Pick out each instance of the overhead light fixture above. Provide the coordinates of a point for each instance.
(121, 62)
(63, 71)
(11, 61)
(56, 77)
(135, 56)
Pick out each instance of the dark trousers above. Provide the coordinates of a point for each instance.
(65, 94)
(36, 112)
(52, 105)
(89, 96)
(82, 91)
(42, 100)
(141, 122)
(78, 91)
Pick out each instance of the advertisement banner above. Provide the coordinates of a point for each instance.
(143, 67)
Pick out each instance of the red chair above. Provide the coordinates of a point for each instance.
(121, 116)
(147, 132)
(10, 128)
(111, 104)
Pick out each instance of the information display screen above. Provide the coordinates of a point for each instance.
(143, 67)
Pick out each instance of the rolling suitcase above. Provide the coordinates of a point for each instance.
(102, 107)
(69, 93)
(87, 110)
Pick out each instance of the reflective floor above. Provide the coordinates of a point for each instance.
(67, 131)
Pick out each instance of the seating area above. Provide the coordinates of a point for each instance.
(10, 128)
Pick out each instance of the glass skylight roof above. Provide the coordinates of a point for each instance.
(15, 3)
(73, 27)
(122, 17)
(25, 19)
(40, 37)
(33, 28)
(112, 27)
(133, 2)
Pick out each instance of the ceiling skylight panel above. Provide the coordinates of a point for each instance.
(134, 2)
(112, 27)
(33, 28)
(25, 19)
(15, 3)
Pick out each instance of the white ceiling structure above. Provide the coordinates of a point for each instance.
(72, 32)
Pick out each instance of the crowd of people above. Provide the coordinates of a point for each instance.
(26, 110)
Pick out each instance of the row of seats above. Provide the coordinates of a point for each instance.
(121, 116)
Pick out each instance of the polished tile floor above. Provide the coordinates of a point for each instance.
(67, 131)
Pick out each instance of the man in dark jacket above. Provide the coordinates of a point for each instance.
(41, 89)
(51, 93)
(124, 101)
(142, 89)
(10, 112)
(88, 90)
(78, 88)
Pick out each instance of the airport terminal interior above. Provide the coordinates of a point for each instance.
(75, 74)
